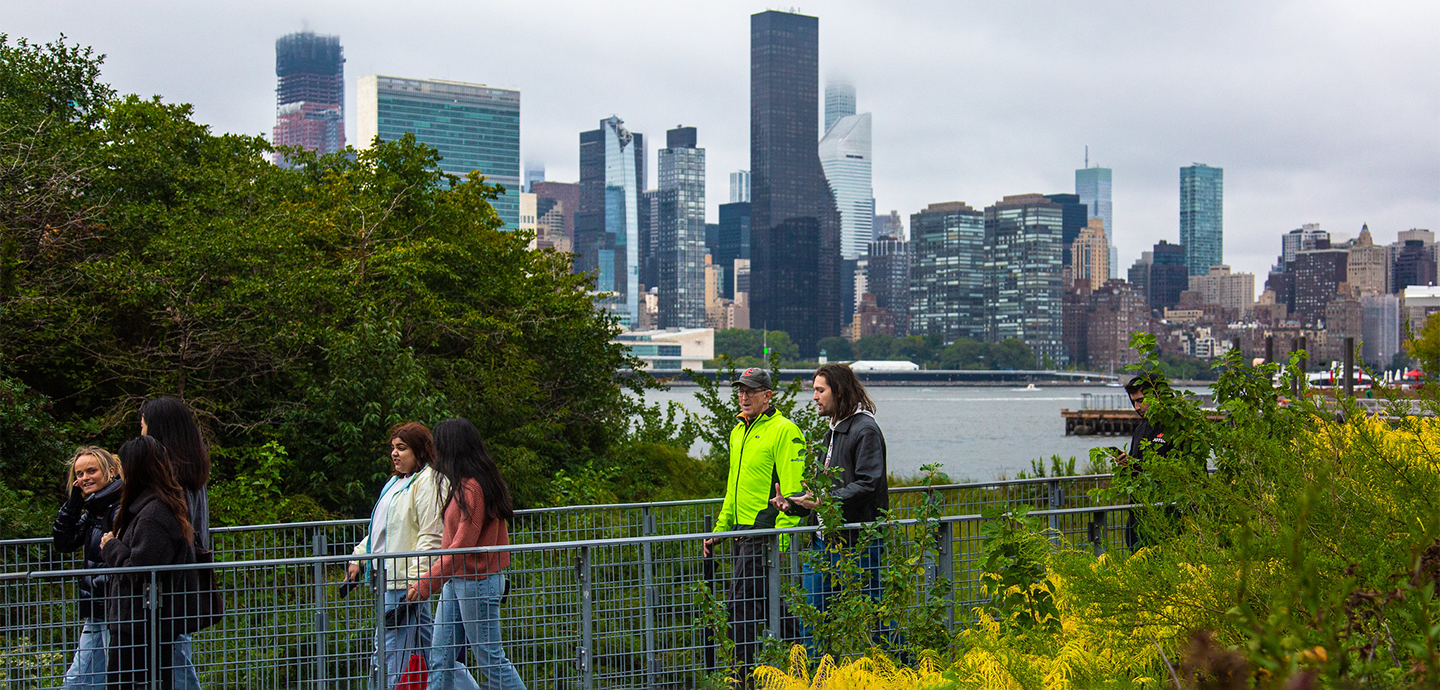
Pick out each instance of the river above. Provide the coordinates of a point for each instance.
(976, 433)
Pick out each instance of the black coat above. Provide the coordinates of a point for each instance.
(81, 524)
(857, 446)
(152, 536)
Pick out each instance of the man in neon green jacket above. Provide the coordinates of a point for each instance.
(766, 450)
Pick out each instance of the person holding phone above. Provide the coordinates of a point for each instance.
(856, 445)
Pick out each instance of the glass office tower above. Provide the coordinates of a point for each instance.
(1023, 269)
(947, 272)
(845, 157)
(1092, 185)
(1202, 226)
(839, 101)
(795, 266)
(607, 227)
(680, 241)
(473, 126)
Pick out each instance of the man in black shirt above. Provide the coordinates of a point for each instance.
(1147, 440)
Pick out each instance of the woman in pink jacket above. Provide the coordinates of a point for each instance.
(477, 511)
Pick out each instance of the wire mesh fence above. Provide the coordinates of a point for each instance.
(599, 596)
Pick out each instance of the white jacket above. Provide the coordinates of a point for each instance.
(414, 522)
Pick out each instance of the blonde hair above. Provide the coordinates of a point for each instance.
(109, 464)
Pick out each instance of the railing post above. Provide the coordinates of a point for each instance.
(378, 578)
(322, 623)
(152, 642)
(587, 632)
(708, 567)
(652, 600)
(1098, 520)
(772, 584)
(1269, 349)
(1350, 367)
(945, 546)
(1057, 500)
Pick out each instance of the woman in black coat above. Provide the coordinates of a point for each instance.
(95, 488)
(152, 528)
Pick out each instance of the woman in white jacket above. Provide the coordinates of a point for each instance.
(406, 518)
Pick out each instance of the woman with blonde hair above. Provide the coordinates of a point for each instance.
(95, 489)
(406, 518)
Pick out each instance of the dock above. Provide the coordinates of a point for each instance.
(1120, 422)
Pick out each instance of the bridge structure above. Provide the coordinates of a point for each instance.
(602, 596)
(934, 377)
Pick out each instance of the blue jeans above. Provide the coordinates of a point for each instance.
(87, 671)
(409, 635)
(470, 611)
(818, 587)
(183, 676)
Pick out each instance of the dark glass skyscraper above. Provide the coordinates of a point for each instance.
(1202, 227)
(795, 228)
(734, 240)
(1073, 216)
(310, 93)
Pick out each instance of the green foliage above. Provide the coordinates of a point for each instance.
(930, 352)
(1015, 579)
(1424, 348)
(747, 346)
(254, 495)
(836, 349)
(143, 255)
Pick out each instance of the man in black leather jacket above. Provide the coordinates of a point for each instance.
(856, 445)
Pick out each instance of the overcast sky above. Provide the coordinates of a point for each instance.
(1322, 111)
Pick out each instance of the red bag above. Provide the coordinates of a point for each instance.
(416, 676)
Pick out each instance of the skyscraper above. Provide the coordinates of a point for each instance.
(947, 272)
(839, 101)
(1202, 222)
(1169, 275)
(1368, 269)
(734, 240)
(310, 94)
(681, 231)
(845, 157)
(473, 126)
(795, 227)
(1073, 216)
(1023, 268)
(887, 276)
(534, 172)
(740, 186)
(1092, 185)
(607, 227)
(1090, 255)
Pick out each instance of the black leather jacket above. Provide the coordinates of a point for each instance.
(857, 446)
(82, 524)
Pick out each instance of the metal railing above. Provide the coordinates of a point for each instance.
(582, 614)
(602, 596)
(607, 521)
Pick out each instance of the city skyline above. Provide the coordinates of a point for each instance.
(1300, 138)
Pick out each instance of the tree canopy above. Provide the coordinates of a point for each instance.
(143, 255)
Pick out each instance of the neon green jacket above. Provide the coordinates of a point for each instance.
(768, 451)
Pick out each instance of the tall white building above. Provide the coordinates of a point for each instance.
(839, 101)
(845, 157)
(740, 187)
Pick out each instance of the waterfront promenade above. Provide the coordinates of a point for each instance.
(602, 596)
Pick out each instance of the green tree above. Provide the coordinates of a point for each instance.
(1424, 348)
(874, 347)
(836, 349)
(740, 343)
(1011, 354)
(312, 307)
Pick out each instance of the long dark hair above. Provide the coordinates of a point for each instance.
(849, 393)
(173, 425)
(459, 453)
(143, 465)
(415, 435)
